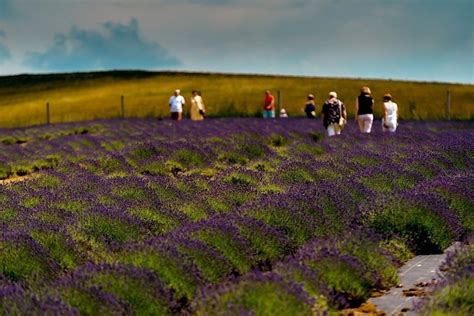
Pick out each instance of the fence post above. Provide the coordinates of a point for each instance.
(448, 104)
(48, 121)
(277, 114)
(122, 106)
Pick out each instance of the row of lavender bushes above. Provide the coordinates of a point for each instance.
(454, 295)
(222, 216)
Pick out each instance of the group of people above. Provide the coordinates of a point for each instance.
(334, 114)
(177, 103)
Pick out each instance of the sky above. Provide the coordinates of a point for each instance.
(422, 40)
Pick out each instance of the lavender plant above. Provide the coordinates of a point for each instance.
(240, 216)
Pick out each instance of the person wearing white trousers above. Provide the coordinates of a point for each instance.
(332, 112)
(390, 118)
(364, 110)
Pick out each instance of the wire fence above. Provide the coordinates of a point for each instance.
(58, 113)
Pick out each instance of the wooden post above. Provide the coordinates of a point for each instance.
(448, 105)
(122, 106)
(277, 114)
(48, 120)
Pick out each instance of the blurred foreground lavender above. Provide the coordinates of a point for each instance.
(235, 216)
(454, 294)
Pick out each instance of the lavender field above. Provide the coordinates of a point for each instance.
(224, 216)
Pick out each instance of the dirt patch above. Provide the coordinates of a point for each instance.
(19, 179)
(377, 293)
(365, 309)
(418, 292)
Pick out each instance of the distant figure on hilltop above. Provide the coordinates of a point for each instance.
(197, 106)
(390, 117)
(334, 114)
(310, 107)
(269, 105)
(176, 103)
(283, 113)
(364, 110)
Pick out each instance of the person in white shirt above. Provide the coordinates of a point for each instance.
(176, 105)
(390, 118)
(197, 106)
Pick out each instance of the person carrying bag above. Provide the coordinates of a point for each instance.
(334, 115)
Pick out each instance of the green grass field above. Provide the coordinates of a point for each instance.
(86, 96)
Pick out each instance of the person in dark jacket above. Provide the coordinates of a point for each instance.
(334, 114)
(310, 107)
(364, 110)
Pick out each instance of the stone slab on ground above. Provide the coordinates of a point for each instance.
(416, 271)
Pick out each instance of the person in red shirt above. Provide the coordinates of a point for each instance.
(269, 105)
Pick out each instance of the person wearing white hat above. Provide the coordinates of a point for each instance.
(334, 114)
(176, 103)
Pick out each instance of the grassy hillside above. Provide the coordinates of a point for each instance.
(85, 96)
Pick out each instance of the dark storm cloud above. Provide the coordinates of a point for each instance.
(118, 46)
(4, 52)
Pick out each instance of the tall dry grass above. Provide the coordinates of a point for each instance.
(86, 96)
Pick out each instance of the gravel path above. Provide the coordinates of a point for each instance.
(413, 275)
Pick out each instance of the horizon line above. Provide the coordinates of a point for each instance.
(205, 72)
